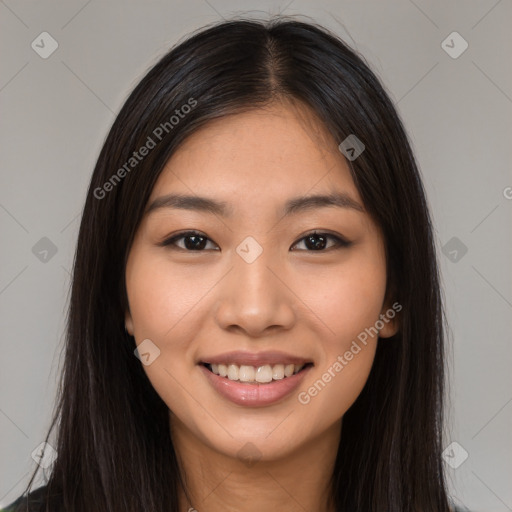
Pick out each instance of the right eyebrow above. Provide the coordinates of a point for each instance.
(185, 202)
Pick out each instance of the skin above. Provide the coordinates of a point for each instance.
(306, 302)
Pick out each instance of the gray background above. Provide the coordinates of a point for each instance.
(57, 111)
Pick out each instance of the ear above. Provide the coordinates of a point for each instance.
(128, 323)
(390, 318)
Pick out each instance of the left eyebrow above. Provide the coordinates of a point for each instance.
(338, 199)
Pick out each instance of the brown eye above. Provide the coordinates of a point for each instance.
(317, 242)
(192, 241)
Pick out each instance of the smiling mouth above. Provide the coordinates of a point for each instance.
(264, 374)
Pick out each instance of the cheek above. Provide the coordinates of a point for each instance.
(346, 300)
(160, 300)
(349, 307)
(337, 386)
(162, 309)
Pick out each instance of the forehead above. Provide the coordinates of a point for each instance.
(258, 158)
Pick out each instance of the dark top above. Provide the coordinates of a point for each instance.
(36, 503)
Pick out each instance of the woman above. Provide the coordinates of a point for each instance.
(256, 318)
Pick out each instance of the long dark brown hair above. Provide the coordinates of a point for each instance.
(115, 452)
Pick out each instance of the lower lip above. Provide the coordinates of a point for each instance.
(254, 395)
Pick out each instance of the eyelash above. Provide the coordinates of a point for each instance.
(340, 243)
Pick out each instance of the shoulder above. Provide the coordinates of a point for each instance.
(35, 501)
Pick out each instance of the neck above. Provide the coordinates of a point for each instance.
(215, 482)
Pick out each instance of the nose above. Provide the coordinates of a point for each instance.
(254, 298)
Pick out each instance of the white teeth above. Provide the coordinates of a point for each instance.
(246, 373)
(222, 369)
(262, 374)
(288, 370)
(233, 372)
(278, 372)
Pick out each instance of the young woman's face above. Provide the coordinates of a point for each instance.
(253, 290)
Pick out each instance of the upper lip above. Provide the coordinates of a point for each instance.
(241, 357)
